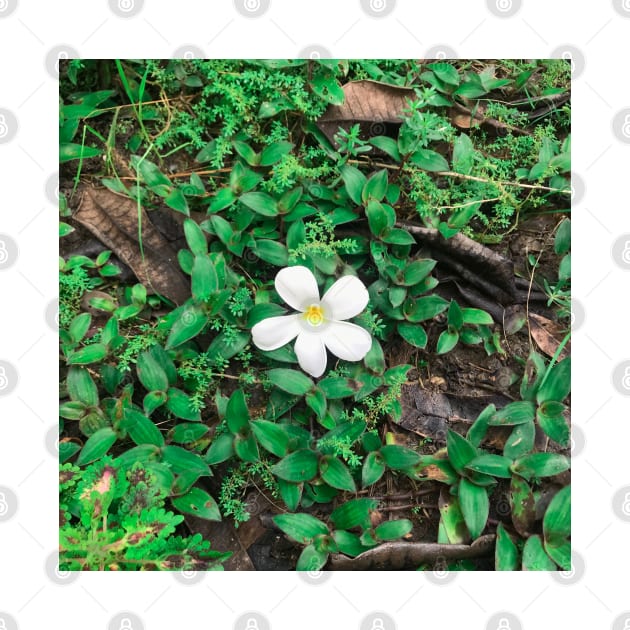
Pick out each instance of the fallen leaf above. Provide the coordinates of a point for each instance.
(113, 219)
(548, 335)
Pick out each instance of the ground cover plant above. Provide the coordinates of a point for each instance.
(310, 307)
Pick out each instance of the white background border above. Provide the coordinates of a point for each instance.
(597, 32)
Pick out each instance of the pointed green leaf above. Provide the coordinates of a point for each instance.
(460, 451)
(336, 474)
(505, 551)
(198, 503)
(355, 181)
(290, 381)
(392, 530)
(300, 527)
(475, 506)
(299, 466)
(189, 324)
(96, 446)
(271, 436)
(150, 372)
(141, 429)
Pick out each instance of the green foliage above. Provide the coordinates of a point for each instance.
(183, 391)
(113, 518)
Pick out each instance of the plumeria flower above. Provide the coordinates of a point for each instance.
(319, 323)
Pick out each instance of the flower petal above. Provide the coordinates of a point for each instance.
(297, 287)
(274, 332)
(311, 353)
(346, 298)
(347, 341)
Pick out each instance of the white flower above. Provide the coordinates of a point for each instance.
(319, 323)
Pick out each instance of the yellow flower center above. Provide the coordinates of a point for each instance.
(314, 315)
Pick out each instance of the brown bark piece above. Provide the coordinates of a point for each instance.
(113, 219)
(397, 555)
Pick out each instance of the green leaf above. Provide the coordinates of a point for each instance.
(311, 559)
(72, 410)
(153, 400)
(455, 316)
(140, 429)
(541, 465)
(290, 381)
(159, 183)
(518, 412)
(177, 200)
(460, 451)
(460, 218)
(97, 445)
(150, 372)
(387, 145)
(260, 202)
(226, 346)
(299, 466)
(204, 278)
(355, 181)
(328, 89)
(246, 152)
(475, 506)
(275, 152)
(81, 386)
(556, 384)
(445, 72)
(562, 243)
(180, 405)
(429, 160)
(375, 359)
(236, 413)
(452, 523)
(523, 505)
(557, 528)
(271, 436)
(489, 464)
(425, 308)
(224, 198)
(377, 216)
(316, 400)
(198, 503)
(373, 469)
(300, 527)
(413, 334)
(520, 441)
(291, 493)
(446, 341)
(354, 513)
(375, 187)
(347, 543)
(417, 271)
(222, 448)
(554, 426)
(463, 154)
(88, 354)
(189, 324)
(335, 387)
(188, 432)
(505, 551)
(399, 457)
(397, 236)
(476, 316)
(479, 428)
(272, 252)
(535, 557)
(391, 530)
(79, 326)
(64, 229)
(182, 460)
(336, 474)
(246, 447)
(263, 311)
(72, 151)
